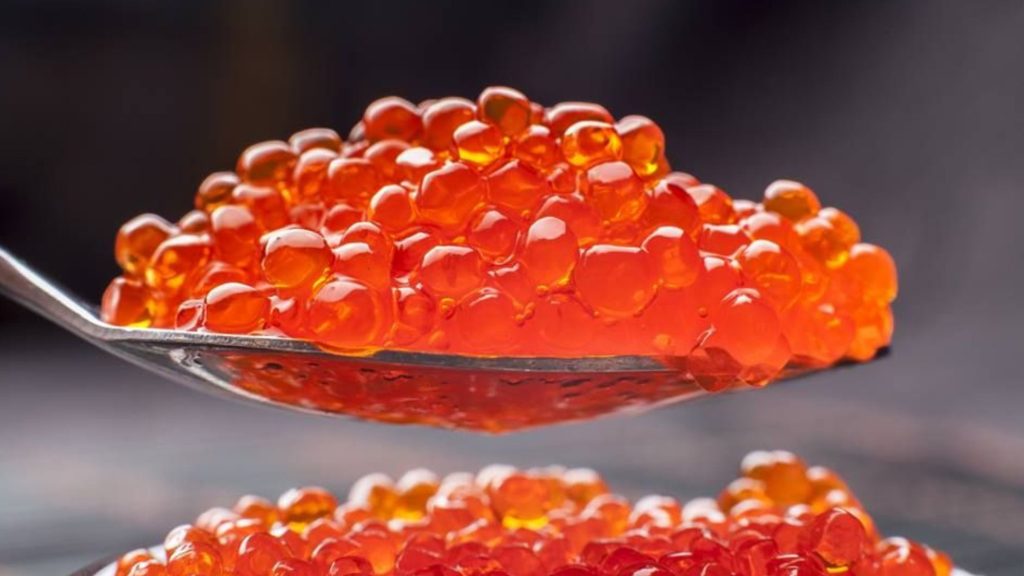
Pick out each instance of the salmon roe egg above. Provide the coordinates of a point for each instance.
(770, 226)
(415, 163)
(384, 155)
(266, 164)
(235, 308)
(516, 186)
(713, 204)
(615, 191)
(392, 117)
(127, 562)
(635, 284)
(415, 315)
(675, 256)
(451, 271)
(345, 313)
(478, 143)
(195, 560)
(722, 239)
(668, 204)
(409, 251)
(191, 315)
(791, 199)
(494, 235)
(745, 326)
(449, 194)
(258, 553)
(588, 142)
(845, 227)
(875, 269)
(127, 302)
(772, 271)
(360, 260)
(295, 259)
(537, 148)
(313, 138)
(303, 505)
(506, 108)
(371, 234)
(194, 222)
(351, 180)
(339, 218)
(175, 258)
(257, 507)
(235, 235)
(486, 321)
(549, 251)
(563, 115)
(838, 538)
(151, 567)
(582, 219)
(138, 239)
(643, 144)
(823, 241)
(563, 323)
(442, 118)
(266, 204)
(392, 208)
(215, 190)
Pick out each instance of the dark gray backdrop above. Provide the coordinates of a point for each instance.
(909, 115)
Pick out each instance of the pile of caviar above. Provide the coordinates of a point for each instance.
(779, 518)
(501, 227)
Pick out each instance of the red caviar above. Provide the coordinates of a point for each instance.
(500, 227)
(779, 518)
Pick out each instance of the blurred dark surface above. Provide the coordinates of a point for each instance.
(908, 115)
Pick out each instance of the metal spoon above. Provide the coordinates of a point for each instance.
(483, 394)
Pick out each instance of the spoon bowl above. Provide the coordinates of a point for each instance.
(445, 390)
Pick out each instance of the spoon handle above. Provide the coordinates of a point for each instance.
(27, 287)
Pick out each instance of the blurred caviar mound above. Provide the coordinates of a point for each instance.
(501, 227)
(779, 518)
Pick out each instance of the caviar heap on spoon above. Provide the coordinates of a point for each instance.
(488, 265)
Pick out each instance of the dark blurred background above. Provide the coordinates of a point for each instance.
(908, 115)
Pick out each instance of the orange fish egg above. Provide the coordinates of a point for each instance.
(636, 279)
(442, 118)
(295, 259)
(392, 117)
(236, 309)
(506, 108)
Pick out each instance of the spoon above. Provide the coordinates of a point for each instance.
(445, 390)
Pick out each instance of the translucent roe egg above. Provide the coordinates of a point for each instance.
(392, 117)
(236, 309)
(345, 313)
(549, 251)
(449, 194)
(295, 259)
(617, 281)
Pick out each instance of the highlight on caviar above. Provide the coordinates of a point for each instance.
(779, 517)
(500, 227)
